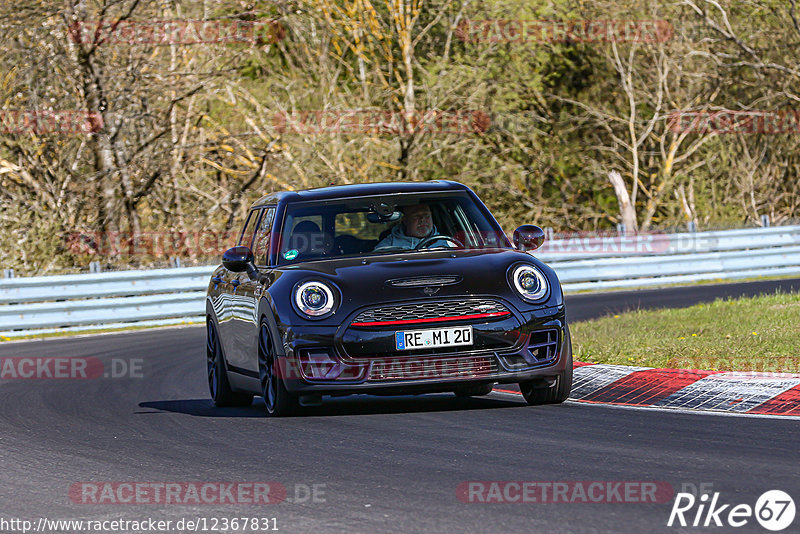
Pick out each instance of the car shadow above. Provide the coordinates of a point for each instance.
(337, 406)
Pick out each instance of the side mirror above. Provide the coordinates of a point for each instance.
(239, 259)
(528, 237)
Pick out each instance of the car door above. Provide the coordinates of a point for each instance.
(248, 293)
(230, 294)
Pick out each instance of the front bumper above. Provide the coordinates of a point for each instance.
(528, 346)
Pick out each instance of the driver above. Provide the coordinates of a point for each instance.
(417, 225)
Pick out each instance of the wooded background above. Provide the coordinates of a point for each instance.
(581, 133)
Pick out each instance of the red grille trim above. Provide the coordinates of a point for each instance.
(433, 319)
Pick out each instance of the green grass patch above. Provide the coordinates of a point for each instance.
(747, 334)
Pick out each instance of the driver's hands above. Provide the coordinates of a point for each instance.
(439, 241)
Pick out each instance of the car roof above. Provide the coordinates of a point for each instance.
(357, 190)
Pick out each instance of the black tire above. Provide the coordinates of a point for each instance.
(278, 401)
(474, 391)
(537, 395)
(218, 385)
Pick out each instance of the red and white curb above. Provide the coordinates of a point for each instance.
(740, 392)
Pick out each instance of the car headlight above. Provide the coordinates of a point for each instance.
(529, 282)
(314, 299)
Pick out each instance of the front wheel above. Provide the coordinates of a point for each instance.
(218, 385)
(536, 393)
(277, 399)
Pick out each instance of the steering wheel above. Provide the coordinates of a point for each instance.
(432, 239)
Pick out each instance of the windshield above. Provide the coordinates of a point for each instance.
(386, 224)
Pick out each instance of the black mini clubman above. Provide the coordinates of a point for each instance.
(383, 289)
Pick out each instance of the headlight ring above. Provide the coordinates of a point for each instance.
(314, 298)
(529, 282)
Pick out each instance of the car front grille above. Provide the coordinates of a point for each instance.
(431, 311)
(388, 369)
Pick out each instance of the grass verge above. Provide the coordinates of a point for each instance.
(747, 334)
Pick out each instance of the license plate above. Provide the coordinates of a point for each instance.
(436, 337)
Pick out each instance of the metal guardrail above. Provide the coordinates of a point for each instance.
(57, 302)
(653, 244)
(617, 262)
(592, 263)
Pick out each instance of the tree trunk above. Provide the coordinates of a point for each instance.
(626, 210)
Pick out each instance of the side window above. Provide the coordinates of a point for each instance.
(249, 229)
(261, 244)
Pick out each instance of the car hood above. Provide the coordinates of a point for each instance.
(367, 280)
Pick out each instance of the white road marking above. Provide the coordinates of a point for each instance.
(660, 409)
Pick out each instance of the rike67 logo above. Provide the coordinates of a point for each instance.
(774, 510)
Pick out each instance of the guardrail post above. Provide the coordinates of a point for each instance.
(621, 229)
(692, 226)
(8, 273)
(765, 221)
(548, 233)
(94, 267)
(175, 262)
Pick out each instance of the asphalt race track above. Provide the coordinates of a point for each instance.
(379, 464)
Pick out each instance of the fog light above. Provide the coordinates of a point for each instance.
(318, 364)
